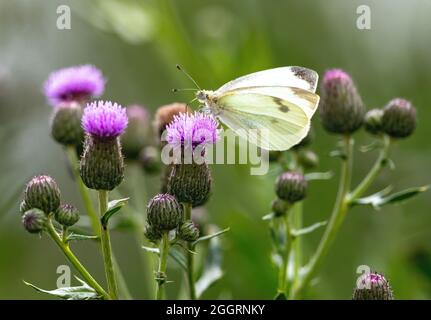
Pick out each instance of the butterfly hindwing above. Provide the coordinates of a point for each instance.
(268, 121)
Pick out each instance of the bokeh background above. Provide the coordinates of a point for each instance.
(137, 44)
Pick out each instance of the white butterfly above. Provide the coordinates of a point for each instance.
(280, 101)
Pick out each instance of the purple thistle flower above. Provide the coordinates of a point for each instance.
(336, 74)
(192, 129)
(74, 84)
(104, 119)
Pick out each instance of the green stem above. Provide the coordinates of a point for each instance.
(106, 247)
(83, 190)
(374, 172)
(75, 262)
(337, 217)
(163, 262)
(190, 256)
(289, 241)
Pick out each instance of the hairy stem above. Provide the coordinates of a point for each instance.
(75, 262)
(163, 261)
(288, 244)
(337, 217)
(190, 256)
(106, 247)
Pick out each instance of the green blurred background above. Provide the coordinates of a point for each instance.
(138, 43)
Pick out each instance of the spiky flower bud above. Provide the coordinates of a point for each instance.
(164, 213)
(280, 207)
(341, 107)
(34, 220)
(66, 126)
(308, 159)
(43, 193)
(150, 160)
(291, 186)
(152, 234)
(373, 121)
(137, 133)
(188, 231)
(372, 286)
(67, 215)
(190, 183)
(165, 115)
(399, 118)
(102, 163)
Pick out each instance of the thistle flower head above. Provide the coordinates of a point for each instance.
(373, 121)
(192, 130)
(372, 286)
(34, 220)
(74, 84)
(67, 215)
(42, 192)
(399, 118)
(291, 186)
(104, 119)
(164, 213)
(188, 231)
(341, 107)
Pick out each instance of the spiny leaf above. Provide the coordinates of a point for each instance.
(151, 250)
(113, 207)
(83, 292)
(77, 237)
(319, 176)
(210, 236)
(309, 229)
(381, 198)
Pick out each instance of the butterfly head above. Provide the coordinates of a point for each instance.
(204, 96)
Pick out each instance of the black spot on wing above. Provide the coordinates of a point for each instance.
(305, 74)
(282, 107)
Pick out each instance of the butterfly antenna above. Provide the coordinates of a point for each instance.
(181, 89)
(188, 76)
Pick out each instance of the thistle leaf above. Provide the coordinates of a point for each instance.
(210, 236)
(83, 292)
(113, 207)
(151, 250)
(179, 257)
(319, 176)
(77, 237)
(382, 198)
(310, 229)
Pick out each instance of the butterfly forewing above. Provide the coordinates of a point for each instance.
(297, 77)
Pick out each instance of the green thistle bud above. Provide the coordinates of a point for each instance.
(188, 231)
(372, 286)
(43, 193)
(23, 207)
(102, 163)
(341, 107)
(66, 126)
(164, 213)
(280, 207)
(190, 183)
(152, 234)
(308, 159)
(150, 160)
(373, 121)
(399, 118)
(291, 187)
(34, 220)
(67, 215)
